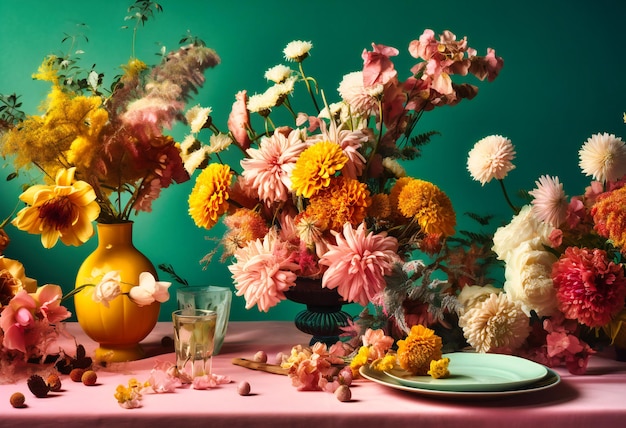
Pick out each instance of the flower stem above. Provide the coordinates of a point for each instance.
(506, 196)
(308, 87)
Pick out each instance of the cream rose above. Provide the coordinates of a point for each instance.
(522, 228)
(474, 294)
(108, 288)
(528, 279)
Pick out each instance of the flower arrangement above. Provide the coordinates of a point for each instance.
(564, 274)
(103, 153)
(325, 196)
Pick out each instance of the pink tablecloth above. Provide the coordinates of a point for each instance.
(597, 399)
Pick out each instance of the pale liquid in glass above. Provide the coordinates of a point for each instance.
(193, 341)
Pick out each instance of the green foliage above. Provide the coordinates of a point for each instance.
(10, 111)
(141, 11)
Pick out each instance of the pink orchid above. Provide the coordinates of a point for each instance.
(239, 120)
(377, 67)
(49, 298)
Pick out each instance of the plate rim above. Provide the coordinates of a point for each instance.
(442, 385)
(552, 377)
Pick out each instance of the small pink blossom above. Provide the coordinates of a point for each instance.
(208, 381)
(162, 378)
(549, 203)
(49, 299)
(378, 342)
(377, 67)
(239, 120)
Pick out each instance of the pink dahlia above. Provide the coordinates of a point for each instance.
(268, 169)
(358, 263)
(590, 287)
(549, 203)
(263, 270)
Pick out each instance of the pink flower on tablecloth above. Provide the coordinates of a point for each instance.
(590, 287)
(358, 263)
(163, 377)
(377, 341)
(209, 381)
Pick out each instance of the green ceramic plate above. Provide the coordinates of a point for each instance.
(471, 372)
(550, 380)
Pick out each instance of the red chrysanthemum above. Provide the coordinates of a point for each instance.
(590, 287)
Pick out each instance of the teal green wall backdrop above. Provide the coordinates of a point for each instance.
(563, 80)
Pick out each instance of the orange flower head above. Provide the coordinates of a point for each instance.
(316, 166)
(429, 206)
(420, 347)
(208, 199)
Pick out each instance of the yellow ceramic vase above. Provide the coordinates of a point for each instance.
(119, 328)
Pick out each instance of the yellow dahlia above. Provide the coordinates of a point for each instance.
(208, 200)
(345, 200)
(316, 166)
(420, 347)
(429, 206)
(64, 210)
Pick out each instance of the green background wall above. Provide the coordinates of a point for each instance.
(563, 80)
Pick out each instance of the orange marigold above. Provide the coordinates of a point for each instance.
(428, 205)
(208, 199)
(420, 347)
(345, 200)
(316, 166)
(393, 198)
(380, 207)
(609, 217)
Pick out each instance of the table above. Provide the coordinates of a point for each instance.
(596, 399)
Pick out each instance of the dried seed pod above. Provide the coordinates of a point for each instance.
(38, 386)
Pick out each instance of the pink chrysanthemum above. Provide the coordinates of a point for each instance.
(268, 169)
(491, 158)
(549, 203)
(362, 100)
(603, 156)
(263, 270)
(358, 263)
(590, 287)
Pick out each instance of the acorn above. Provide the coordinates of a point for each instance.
(38, 386)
